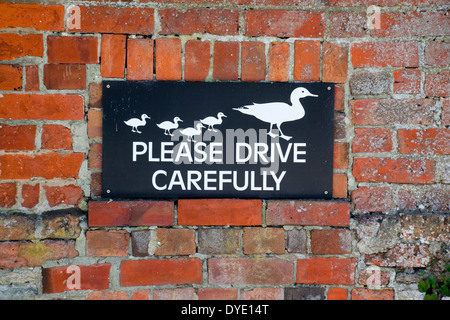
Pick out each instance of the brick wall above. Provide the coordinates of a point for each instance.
(391, 194)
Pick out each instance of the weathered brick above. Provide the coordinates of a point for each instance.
(174, 242)
(130, 213)
(160, 272)
(283, 23)
(279, 61)
(35, 16)
(435, 199)
(340, 185)
(65, 76)
(318, 270)
(140, 241)
(56, 137)
(13, 46)
(372, 276)
(370, 83)
(316, 213)
(339, 97)
(10, 77)
(175, 294)
(390, 111)
(263, 294)
(70, 195)
(372, 294)
(168, 59)
(41, 106)
(307, 60)
(226, 61)
(219, 241)
(340, 125)
(250, 271)
(96, 184)
(95, 95)
(437, 84)
(424, 141)
(113, 55)
(340, 155)
(263, 240)
(347, 24)
(48, 166)
(30, 195)
(296, 240)
(407, 255)
(445, 113)
(335, 62)
(213, 21)
(81, 50)
(407, 81)
(16, 226)
(95, 123)
(102, 243)
(372, 140)
(61, 224)
(372, 199)
(197, 60)
(102, 19)
(17, 138)
(140, 59)
(253, 61)
(95, 156)
(32, 76)
(106, 295)
(399, 170)
(437, 53)
(217, 294)
(219, 212)
(383, 54)
(304, 293)
(331, 241)
(337, 293)
(92, 277)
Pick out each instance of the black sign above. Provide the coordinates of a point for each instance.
(217, 140)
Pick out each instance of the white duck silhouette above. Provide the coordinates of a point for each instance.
(135, 122)
(212, 121)
(190, 132)
(279, 112)
(167, 125)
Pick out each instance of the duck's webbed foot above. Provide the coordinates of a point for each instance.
(287, 138)
(273, 135)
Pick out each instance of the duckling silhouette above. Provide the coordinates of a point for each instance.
(135, 122)
(167, 125)
(212, 121)
(276, 113)
(190, 132)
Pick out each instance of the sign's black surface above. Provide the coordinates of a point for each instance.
(217, 140)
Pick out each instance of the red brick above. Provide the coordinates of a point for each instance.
(331, 241)
(41, 106)
(339, 97)
(175, 242)
(16, 226)
(372, 112)
(113, 55)
(263, 294)
(307, 60)
(371, 294)
(10, 77)
(257, 271)
(102, 243)
(168, 59)
(340, 185)
(406, 255)
(337, 293)
(383, 54)
(437, 84)
(95, 123)
(130, 213)
(13, 46)
(197, 60)
(141, 295)
(271, 2)
(100, 19)
(340, 158)
(160, 272)
(407, 81)
(35, 16)
(399, 170)
(81, 50)
(30, 195)
(340, 125)
(253, 61)
(372, 140)
(279, 61)
(315, 213)
(96, 184)
(95, 95)
(373, 199)
(372, 276)
(426, 228)
(106, 295)
(219, 212)
(65, 76)
(347, 24)
(70, 195)
(424, 141)
(283, 23)
(226, 61)
(263, 240)
(34, 254)
(92, 277)
(17, 138)
(413, 23)
(318, 270)
(335, 62)
(95, 156)
(56, 137)
(7, 194)
(217, 294)
(437, 54)
(32, 76)
(190, 21)
(48, 166)
(140, 59)
(175, 294)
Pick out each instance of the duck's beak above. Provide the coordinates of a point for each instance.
(312, 95)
